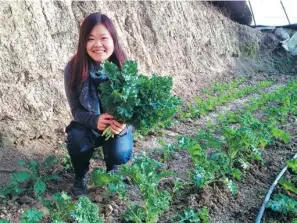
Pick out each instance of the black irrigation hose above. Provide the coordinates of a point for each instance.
(262, 209)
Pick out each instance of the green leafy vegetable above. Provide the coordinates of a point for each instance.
(288, 185)
(292, 164)
(146, 173)
(136, 99)
(86, 212)
(36, 175)
(32, 216)
(60, 207)
(281, 134)
(100, 177)
(282, 203)
(191, 215)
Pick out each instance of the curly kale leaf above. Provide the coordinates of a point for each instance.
(134, 98)
(86, 211)
(282, 203)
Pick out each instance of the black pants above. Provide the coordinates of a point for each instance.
(81, 142)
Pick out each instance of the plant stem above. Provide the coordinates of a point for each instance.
(108, 133)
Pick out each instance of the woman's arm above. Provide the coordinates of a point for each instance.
(79, 113)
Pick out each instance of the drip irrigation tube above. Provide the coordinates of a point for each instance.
(261, 212)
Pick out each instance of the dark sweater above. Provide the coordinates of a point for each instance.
(79, 113)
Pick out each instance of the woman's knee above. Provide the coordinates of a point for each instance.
(121, 156)
(119, 150)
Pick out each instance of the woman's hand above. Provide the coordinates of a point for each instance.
(117, 127)
(104, 121)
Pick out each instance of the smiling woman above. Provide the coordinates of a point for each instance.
(100, 44)
(97, 42)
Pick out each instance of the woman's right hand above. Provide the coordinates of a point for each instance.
(104, 121)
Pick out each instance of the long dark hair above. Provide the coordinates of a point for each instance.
(79, 62)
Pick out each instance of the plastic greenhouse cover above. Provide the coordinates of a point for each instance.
(273, 12)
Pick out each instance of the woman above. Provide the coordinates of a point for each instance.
(97, 42)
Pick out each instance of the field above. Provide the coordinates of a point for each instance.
(214, 162)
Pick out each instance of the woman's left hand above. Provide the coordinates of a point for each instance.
(117, 127)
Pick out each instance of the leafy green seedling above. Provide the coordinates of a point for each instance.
(32, 216)
(86, 211)
(191, 215)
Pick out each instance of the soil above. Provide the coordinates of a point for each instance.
(270, 216)
(223, 207)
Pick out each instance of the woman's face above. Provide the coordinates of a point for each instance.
(100, 45)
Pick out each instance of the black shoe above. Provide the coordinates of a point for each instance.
(79, 187)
